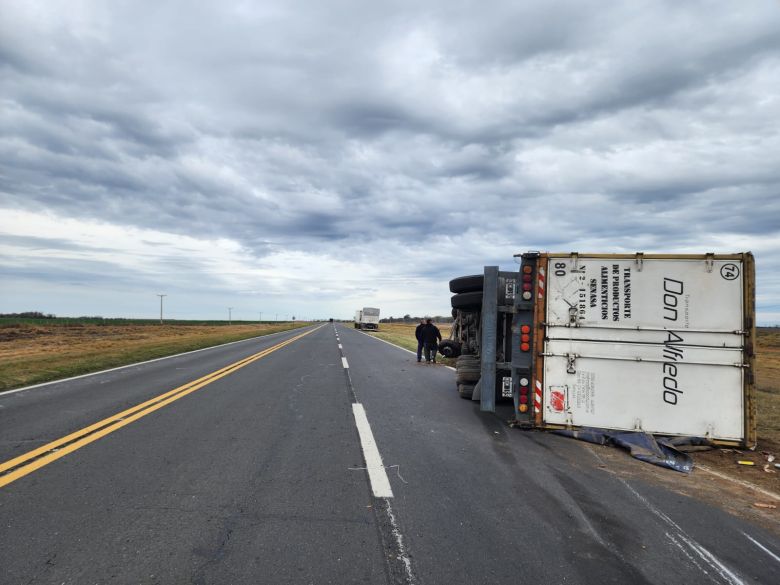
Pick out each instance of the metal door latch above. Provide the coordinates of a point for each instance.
(570, 357)
(506, 387)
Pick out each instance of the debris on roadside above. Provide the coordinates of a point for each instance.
(670, 452)
(744, 462)
(764, 505)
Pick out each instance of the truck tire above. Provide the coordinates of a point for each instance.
(475, 282)
(467, 379)
(449, 348)
(465, 391)
(467, 361)
(467, 301)
(468, 369)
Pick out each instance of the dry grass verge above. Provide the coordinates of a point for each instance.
(402, 335)
(768, 385)
(33, 353)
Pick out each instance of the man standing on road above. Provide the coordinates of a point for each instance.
(418, 335)
(431, 337)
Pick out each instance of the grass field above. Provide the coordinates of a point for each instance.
(768, 386)
(767, 374)
(31, 353)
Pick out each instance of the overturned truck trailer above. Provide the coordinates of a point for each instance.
(648, 342)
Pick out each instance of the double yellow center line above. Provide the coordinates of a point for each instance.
(13, 469)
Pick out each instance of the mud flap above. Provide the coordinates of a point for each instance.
(477, 391)
(661, 451)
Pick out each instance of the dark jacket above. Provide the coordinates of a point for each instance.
(430, 333)
(418, 332)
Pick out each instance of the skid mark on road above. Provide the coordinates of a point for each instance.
(682, 540)
(399, 563)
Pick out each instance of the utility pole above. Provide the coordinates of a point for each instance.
(161, 305)
(277, 317)
(230, 315)
(261, 316)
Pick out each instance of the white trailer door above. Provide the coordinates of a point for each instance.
(665, 389)
(655, 344)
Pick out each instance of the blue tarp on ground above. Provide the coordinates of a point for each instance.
(663, 451)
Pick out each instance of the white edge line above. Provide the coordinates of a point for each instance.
(344, 363)
(762, 547)
(167, 357)
(741, 482)
(340, 346)
(399, 347)
(377, 475)
(387, 342)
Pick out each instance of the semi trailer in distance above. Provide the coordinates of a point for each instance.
(661, 343)
(367, 318)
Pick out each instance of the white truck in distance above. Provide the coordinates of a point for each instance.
(367, 318)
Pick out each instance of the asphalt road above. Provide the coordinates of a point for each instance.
(269, 472)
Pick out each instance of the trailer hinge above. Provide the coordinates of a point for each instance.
(709, 261)
(575, 261)
(640, 256)
(570, 358)
(572, 314)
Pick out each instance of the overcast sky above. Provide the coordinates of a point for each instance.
(309, 158)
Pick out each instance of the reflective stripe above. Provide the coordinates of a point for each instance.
(538, 397)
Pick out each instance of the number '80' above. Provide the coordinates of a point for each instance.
(560, 269)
